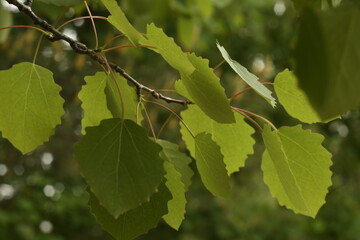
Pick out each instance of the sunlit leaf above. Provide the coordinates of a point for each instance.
(134, 222)
(168, 49)
(119, 20)
(209, 162)
(120, 163)
(93, 99)
(128, 95)
(248, 77)
(294, 99)
(31, 105)
(327, 57)
(296, 168)
(234, 139)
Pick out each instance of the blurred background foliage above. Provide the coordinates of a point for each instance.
(42, 193)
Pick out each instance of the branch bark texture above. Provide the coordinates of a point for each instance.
(80, 48)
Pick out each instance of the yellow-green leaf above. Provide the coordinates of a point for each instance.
(294, 99)
(93, 99)
(119, 21)
(234, 139)
(31, 105)
(296, 168)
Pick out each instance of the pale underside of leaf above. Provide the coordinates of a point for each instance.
(31, 106)
(296, 168)
(248, 77)
(120, 163)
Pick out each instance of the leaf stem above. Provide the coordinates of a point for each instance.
(93, 24)
(180, 119)
(25, 26)
(248, 89)
(250, 119)
(78, 18)
(219, 64)
(42, 35)
(255, 115)
(149, 121)
(126, 46)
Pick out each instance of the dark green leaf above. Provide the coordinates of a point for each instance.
(134, 222)
(327, 59)
(120, 163)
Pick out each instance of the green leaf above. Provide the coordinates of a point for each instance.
(120, 22)
(63, 2)
(180, 160)
(31, 105)
(327, 57)
(234, 139)
(93, 99)
(134, 222)
(177, 204)
(178, 175)
(294, 99)
(181, 89)
(248, 77)
(6, 20)
(209, 162)
(206, 91)
(128, 94)
(120, 163)
(296, 168)
(168, 49)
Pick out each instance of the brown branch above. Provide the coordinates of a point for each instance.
(80, 48)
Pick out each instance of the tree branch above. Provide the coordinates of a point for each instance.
(80, 48)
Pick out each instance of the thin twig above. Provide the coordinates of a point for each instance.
(81, 48)
(250, 119)
(79, 18)
(93, 24)
(149, 121)
(248, 89)
(175, 114)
